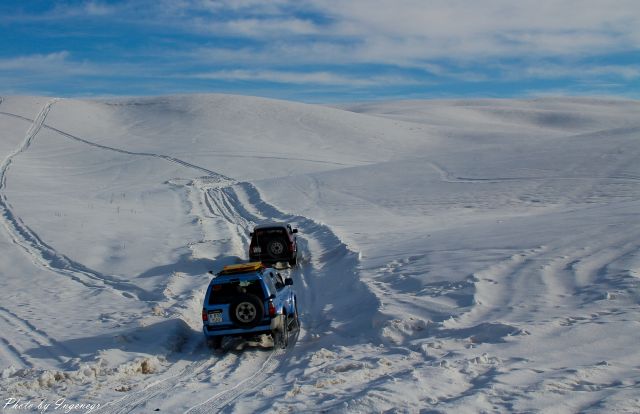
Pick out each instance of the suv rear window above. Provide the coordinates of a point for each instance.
(269, 232)
(227, 291)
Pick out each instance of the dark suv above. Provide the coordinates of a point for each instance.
(273, 243)
(249, 300)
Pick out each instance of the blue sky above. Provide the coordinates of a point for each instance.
(321, 50)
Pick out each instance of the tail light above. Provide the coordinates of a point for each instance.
(254, 249)
(272, 309)
(204, 316)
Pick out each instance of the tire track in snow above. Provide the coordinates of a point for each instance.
(449, 177)
(219, 205)
(169, 158)
(327, 265)
(133, 401)
(45, 255)
(41, 253)
(211, 174)
(539, 280)
(226, 397)
(328, 259)
(34, 128)
(8, 352)
(214, 204)
(575, 286)
(25, 330)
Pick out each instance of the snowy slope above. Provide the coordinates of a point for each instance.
(458, 256)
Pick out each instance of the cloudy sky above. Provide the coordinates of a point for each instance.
(321, 50)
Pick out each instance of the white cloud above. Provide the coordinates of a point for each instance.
(581, 71)
(34, 62)
(306, 78)
(471, 29)
(257, 28)
(304, 41)
(256, 6)
(61, 11)
(61, 65)
(406, 32)
(96, 8)
(414, 33)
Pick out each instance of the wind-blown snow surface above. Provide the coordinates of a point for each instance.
(458, 256)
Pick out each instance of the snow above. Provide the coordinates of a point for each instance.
(457, 256)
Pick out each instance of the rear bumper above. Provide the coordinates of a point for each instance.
(276, 323)
(212, 331)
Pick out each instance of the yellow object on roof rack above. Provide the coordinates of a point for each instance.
(241, 268)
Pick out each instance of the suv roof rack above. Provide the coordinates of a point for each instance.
(269, 224)
(241, 268)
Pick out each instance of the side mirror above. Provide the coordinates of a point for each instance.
(294, 231)
(288, 282)
(211, 272)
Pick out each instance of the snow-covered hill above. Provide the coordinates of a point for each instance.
(458, 256)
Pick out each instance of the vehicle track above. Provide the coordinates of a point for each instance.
(449, 177)
(226, 397)
(324, 256)
(326, 261)
(41, 253)
(8, 352)
(569, 273)
(174, 379)
(210, 174)
(213, 204)
(45, 255)
(30, 337)
(174, 160)
(49, 258)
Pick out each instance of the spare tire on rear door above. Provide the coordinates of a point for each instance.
(277, 248)
(246, 310)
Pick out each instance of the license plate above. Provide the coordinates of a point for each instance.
(257, 250)
(215, 317)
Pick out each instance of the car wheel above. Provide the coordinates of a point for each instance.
(276, 248)
(247, 311)
(284, 333)
(285, 342)
(296, 319)
(281, 334)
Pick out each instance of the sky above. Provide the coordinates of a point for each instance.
(321, 50)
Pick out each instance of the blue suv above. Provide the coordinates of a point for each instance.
(248, 300)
